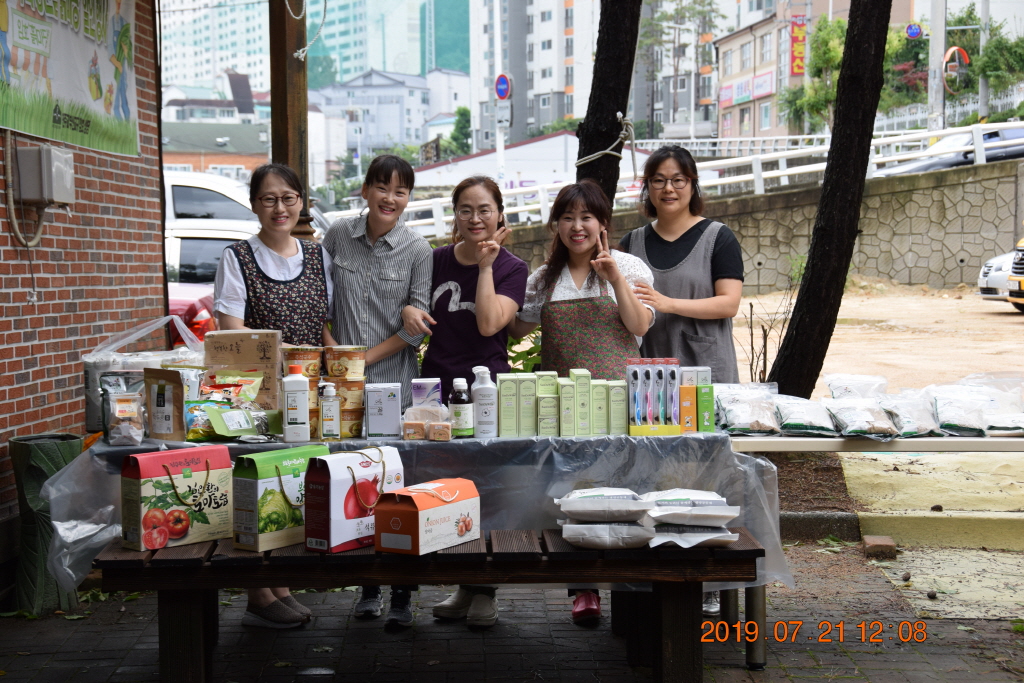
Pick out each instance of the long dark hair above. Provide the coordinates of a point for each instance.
(383, 168)
(472, 181)
(689, 166)
(588, 196)
(285, 173)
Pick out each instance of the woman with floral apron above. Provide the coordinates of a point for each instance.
(583, 298)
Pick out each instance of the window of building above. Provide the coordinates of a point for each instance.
(547, 73)
(727, 63)
(545, 101)
(705, 87)
(529, 52)
(727, 124)
(747, 56)
(657, 116)
(529, 108)
(568, 104)
(745, 121)
(568, 75)
(766, 115)
(545, 45)
(766, 48)
(568, 17)
(225, 113)
(568, 47)
(783, 67)
(545, 16)
(529, 80)
(681, 83)
(529, 23)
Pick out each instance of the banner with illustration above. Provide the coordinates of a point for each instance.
(67, 72)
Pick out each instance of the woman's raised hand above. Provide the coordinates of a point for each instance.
(488, 250)
(604, 265)
(652, 297)
(414, 320)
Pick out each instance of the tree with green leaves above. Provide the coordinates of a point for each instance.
(813, 104)
(554, 127)
(461, 135)
(321, 71)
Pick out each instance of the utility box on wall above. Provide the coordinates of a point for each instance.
(46, 175)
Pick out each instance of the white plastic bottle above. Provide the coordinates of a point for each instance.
(485, 402)
(330, 415)
(296, 405)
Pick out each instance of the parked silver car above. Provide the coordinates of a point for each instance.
(993, 276)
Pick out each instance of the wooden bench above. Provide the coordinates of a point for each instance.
(663, 630)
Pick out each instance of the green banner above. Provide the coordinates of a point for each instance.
(67, 72)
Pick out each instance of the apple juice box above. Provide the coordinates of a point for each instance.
(547, 382)
(508, 405)
(342, 490)
(547, 414)
(175, 497)
(599, 406)
(527, 418)
(618, 407)
(270, 497)
(566, 407)
(705, 408)
(583, 418)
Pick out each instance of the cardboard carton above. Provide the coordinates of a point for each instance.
(583, 417)
(527, 416)
(687, 409)
(270, 497)
(428, 517)
(599, 407)
(384, 411)
(243, 347)
(566, 407)
(705, 408)
(547, 415)
(165, 397)
(618, 407)
(269, 397)
(508, 405)
(547, 382)
(340, 513)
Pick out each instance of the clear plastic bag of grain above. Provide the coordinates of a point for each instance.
(800, 417)
(912, 413)
(747, 411)
(861, 417)
(844, 385)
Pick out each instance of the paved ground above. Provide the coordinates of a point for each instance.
(534, 641)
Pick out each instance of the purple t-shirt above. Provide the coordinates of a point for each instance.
(456, 345)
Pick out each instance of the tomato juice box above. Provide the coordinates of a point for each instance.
(342, 491)
(270, 497)
(428, 517)
(175, 497)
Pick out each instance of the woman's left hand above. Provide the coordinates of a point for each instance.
(488, 250)
(652, 297)
(604, 265)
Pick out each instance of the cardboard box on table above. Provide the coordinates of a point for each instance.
(269, 396)
(428, 517)
(340, 514)
(243, 347)
(175, 497)
(270, 497)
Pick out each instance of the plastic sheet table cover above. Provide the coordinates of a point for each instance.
(517, 480)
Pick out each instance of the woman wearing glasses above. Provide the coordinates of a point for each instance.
(273, 281)
(697, 265)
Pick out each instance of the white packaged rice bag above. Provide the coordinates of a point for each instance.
(800, 417)
(692, 536)
(1005, 424)
(855, 386)
(747, 411)
(913, 415)
(688, 506)
(861, 417)
(604, 505)
(607, 535)
(961, 409)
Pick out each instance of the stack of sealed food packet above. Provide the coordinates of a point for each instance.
(617, 518)
(985, 404)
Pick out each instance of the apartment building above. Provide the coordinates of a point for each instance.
(383, 108)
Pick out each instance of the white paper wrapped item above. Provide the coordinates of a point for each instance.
(604, 505)
(607, 535)
(688, 506)
(692, 536)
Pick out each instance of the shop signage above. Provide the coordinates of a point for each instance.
(743, 92)
(764, 84)
(798, 46)
(725, 96)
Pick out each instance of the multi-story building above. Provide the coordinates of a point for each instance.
(449, 90)
(754, 61)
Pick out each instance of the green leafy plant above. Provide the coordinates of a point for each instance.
(524, 354)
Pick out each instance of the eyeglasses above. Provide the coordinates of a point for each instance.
(270, 201)
(679, 182)
(467, 214)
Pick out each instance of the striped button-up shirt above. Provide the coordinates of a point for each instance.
(372, 284)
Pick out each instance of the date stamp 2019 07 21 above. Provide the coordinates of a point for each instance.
(826, 632)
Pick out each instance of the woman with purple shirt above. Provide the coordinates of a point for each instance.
(477, 289)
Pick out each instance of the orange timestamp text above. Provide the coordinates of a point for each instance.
(826, 632)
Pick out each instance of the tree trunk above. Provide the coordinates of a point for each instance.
(802, 352)
(609, 91)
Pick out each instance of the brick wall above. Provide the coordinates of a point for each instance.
(96, 273)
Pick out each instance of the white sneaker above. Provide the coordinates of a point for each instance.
(712, 608)
(455, 606)
(483, 611)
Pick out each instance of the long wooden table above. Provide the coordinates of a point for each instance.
(187, 578)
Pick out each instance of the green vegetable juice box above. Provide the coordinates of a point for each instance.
(527, 403)
(599, 407)
(705, 408)
(270, 497)
(547, 382)
(618, 407)
(584, 422)
(547, 415)
(566, 407)
(508, 405)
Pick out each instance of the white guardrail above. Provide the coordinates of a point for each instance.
(533, 204)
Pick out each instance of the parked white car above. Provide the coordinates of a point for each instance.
(993, 276)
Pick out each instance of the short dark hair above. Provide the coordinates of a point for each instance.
(285, 173)
(689, 166)
(589, 196)
(473, 181)
(385, 166)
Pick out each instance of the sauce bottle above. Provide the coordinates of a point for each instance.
(460, 404)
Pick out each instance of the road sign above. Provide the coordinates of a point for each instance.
(503, 114)
(503, 87)
(914, 31)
